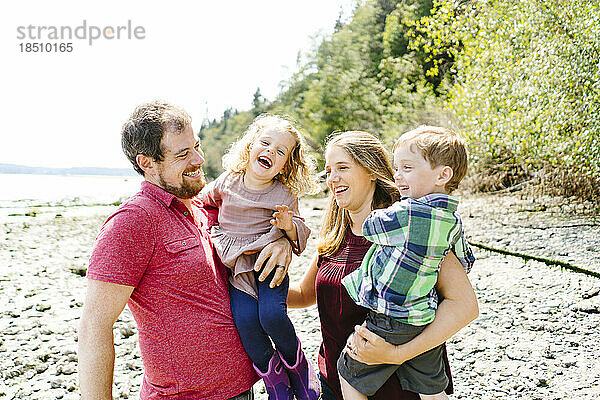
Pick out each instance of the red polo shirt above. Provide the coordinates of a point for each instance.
(189, 344)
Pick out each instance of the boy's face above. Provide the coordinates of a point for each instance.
(414, 176)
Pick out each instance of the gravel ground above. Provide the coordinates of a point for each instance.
(536, 337)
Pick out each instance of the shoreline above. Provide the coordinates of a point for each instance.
(536, 337)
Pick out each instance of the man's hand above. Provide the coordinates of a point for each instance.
(282, 218)
(275, 255)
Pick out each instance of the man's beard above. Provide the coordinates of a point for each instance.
(186, 190)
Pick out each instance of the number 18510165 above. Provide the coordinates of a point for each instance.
(46, 47)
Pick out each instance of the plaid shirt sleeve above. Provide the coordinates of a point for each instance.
(388, 226)
(463, 251)
(426, 230)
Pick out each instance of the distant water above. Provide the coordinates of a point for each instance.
(24, 190)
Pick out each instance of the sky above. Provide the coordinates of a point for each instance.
(65, 109)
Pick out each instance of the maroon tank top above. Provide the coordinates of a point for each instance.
(339, 314)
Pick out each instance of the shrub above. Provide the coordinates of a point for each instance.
(525, 84)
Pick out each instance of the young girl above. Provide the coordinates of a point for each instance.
(257, 199)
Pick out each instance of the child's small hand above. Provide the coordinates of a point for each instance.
(282, 218)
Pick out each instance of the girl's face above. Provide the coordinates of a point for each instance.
(268, 155)
(351, 184)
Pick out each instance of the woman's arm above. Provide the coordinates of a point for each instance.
(457, 309)
(303, 294)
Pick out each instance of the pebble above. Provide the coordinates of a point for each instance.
(536, 337)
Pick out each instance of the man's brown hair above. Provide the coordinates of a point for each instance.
(143, 131)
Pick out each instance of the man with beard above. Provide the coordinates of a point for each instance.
(154, 254)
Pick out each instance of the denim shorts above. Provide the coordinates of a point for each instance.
(423, 374)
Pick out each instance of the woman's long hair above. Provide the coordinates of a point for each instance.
(368, 152)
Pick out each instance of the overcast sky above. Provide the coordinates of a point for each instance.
(66, 109)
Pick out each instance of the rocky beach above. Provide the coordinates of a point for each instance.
(536, 337)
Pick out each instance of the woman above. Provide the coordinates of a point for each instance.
(360, 177)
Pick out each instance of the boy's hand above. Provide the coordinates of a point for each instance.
(282, 218)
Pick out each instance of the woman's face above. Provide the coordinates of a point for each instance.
(352, 185)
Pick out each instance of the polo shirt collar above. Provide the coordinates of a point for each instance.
(441, 200)
(159, 193)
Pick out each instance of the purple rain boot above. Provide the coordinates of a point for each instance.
(276, 380)
(304, 381)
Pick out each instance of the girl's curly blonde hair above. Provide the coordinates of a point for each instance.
(298, 172)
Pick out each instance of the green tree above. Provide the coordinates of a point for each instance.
(525, 86)
(259, 103)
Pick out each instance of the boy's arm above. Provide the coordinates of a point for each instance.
(457, 309)
(389, 226)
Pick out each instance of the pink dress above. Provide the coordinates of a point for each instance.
(244, 226)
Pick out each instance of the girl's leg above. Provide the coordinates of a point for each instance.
(267, 363)
(272, 311)
(255, 340)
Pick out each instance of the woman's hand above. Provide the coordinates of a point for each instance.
(276, 255)
(370, 348)
(455, 311)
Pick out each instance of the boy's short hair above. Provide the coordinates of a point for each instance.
(439, 146)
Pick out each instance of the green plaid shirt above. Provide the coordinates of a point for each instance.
(398, 274)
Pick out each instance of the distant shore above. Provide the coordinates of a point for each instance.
(24, 169)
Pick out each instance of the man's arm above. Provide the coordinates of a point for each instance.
(103, 305)
(274, 255)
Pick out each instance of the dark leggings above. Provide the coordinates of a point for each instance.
(257, 321)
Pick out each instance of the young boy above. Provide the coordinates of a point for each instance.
(397, 276)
